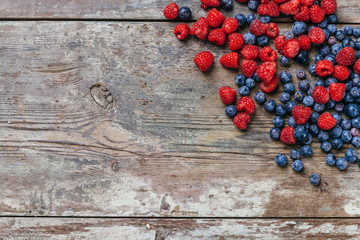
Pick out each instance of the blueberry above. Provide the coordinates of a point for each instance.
(340, 35)
(308, 101)
(323, 136)
(331, 58)
(347, 42)
(337, 143)
(306, 150)
(331, 41)
(226, 4)
(249, 38)
(270, 105)
(304, 85)
(291, 122)
(354, 132)
(355, 92)
(319, 83)
(280, 110)
(253, 4)
(285, 97)
(289, 106)
(262, 40)
(278, 121)
(351, 155)
(323, 24)
(314, 116)
(346, 123)
(325, 147)
(275, 133)
(330, 159)
(319, 107)
(289, 35)
(357, 43)
(312, 68)
(355, 141)
(299, 28)
(281, 160)
(244, 91)
(330, 80)
(184, 13)
(330, 104)
(332, 18)
(251, 17)
(319, 58)
(241, 19)
(300, 133)
(285, 77)
(337, 117)
(324, 50)
(297, 165)
(256, 78)
(341, 163)
(351, 110)
(348, 98)
(310, 91)
(239, 79)
(289, 88)
(308, 139)
(332, 28)
(295, 154)
(355, 122)
(299, 96)
(339, 107)
(231, 110)
(335, 132)
(264, 19)
(284, 61)
(260, 97)
(335, 49)
(315, 179)
(348, 30)
(250, 83)
(302, 58)
(313, 130)
(356, 32)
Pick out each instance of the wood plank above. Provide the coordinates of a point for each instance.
(163, 147)
(179, 229)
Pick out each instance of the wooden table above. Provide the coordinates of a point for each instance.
(109, 131)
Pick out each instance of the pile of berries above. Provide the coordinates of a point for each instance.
(328, 111)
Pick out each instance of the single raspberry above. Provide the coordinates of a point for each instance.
(317, 35)
(290, 8)
(204, 60)
(280, 42)
(326, 121)
(171, 11)
(250, 52)
(241, 120)
(245, 104)
(337, 91)
(217, 36)
(324, 68)
(227, 95)
(236, 41)
(248, 67)
(303, 15)
(181, 31)
(269, 8)
(287, 136)
(291, 48)
(211, 3)
(346, 56)
(267, 54)
(266, 71)
(307, 2)
(320, 95)
(200, 28)
(305, 43)
(329, 6)
(316, 14)
(301, 114)
(230, 25)
(271, 86)
(215, 18)
(258, 28)
(357, 67)
(230, 60)
(272, 30)
(341, 72)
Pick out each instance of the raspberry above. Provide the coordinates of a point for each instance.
(320, 95)
(305, 43)
(200, 28)
(241, 120)
(301, 114)
(307, 2)
(258, 28)
(230, 60)
(337, 91)
(267, 54)
(317, 35)
(316, 14)
(290, 8)
(181, 31)
(269, 8)
(211, 3)
(329, 6)
(324, 68)
(230, 25)
(266, 71)
(357, 67)
(272, 30)
(171, 11)
(341, 72)
(287, 136)
(246, 104)
(303, 15)
(250, 52)
(227, 95)
(215, 18)
(271, 86)
(204, 60)
(248, 67)
(217, 36)
(203, 6)
(326, 121)
(236, 41)
(346, 56)
(280, 42)
(291, 48)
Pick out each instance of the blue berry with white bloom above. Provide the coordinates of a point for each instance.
(351, 155)
(308, 101)
(275, 133)
(315, 179)
(291, 122)
(281, 160)
(341, 163)
(299, 28)
(346, 136)
(260, 98)
(337, 143)
(250, 83)
(295, 154)
(231, 110)
(297, 165)
(244, 91)
(330, 159)
(278, 121)
(326, 147)
(270, 105)
(355, 141)
(289, 106)
(285, 77)
(306, 150)
(280, 110)
(184, 13)
(240, 79)
(285, 97)
(249, 38)
(241, 18)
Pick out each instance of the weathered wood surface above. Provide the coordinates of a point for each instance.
(177, 229)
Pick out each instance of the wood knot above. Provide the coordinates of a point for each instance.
(102, 96)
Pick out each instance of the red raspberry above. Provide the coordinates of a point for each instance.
(324, 68)
(215, 18)
(230, 60)
(326, 121)
(258, 28)
(211, 3)
(280, 42)
(241, 120)
(267, 54)
(271, 86)
(317, 35)
(248, 67)
(227, 95)
(303, 15)
(320, 95)
(307, 2)
(341, 72)
(329, 6)
(269, 8)
(337, 91)
(305, 43)
(171, 11)
(301, 114)
(250, 52)
(203, 6)
(236, 41)
(245, 104)
(290, 8)
(200, 28)
(272, 30)
(291, 48)
(230, 25)
(217, 36)
(316, 14)
(357, 67)
(204, 60)
(181, 31)
(287, 136)
(346, 56)
(266, 71)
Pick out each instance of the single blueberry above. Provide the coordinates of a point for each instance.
(280, 110)
(355, 122)
(354, 132)
(308, 139)
(260, 97)
(289, 88)
(285, 77)
(291, 122)
(319, 107)
(337, 117)
(348, 42)
(351, 155)
(319, 83)
(253, 4)
(299, 28)
(226, 4)
(270, 105)
(306, 150)
(250, 83)
(332, 18)
(308, 101)
(348, 98)
(312, 68)
(323, 136)
(281, 160)
(278, 121)
(351, 110)
(332, 28)
(295, 154)
(330, 80)
(337, 143)
(309, 92)
(297, 165)
(330, 159)
(319, 58)
(315, 179)
(340, 35)
(331, 41)
(346, 123)
(326, 147)
(299, 96)
(323, 24)
(324, 50)
(355, 92)
(335, 132)
(304, 85)
(241, 19)
(256, 78)
(335, 49)
(314, 116)
(355, 141)
(289, 35)
(231, 110)
(300, 133)
(330, 104)
(313, 130)
(341, 163)
(184, 13)
(356, 31)
(262, 40)
(244, 91)
(289, 106)
(239, 79)
(284, 61)
(339, 107)
(264, 19)
(285, 97)
(357, 43)
(251, 17)
(331, 58)
(275, 133)
(348, 30)
(249, 38)
(302, 58)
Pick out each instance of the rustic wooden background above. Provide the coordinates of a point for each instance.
(109, 131)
